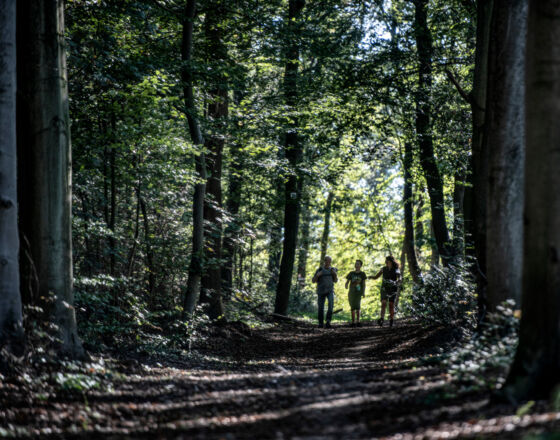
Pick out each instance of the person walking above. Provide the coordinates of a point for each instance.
(325, 277)
(357, 281)
(389, 287)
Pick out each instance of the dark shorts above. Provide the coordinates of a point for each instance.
(388, 295)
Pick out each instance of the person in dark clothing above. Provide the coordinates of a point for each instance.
(325, 277)
(389, 287)
(357, 281)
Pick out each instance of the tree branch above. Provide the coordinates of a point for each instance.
(466, 96)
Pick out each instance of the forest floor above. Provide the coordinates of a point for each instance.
(292, 380)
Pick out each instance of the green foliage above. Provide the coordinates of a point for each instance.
(445, 296)
(483, 362)
(133, 170)
(76, 382)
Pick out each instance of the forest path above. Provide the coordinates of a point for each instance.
(290, 381)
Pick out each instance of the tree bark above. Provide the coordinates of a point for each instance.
(434, 261)
(304, 241)
(458, 213)
(196, 264)
(293, 151)
(149, 252)
(505, 112)
(217, 112)
(275, 237)
(424, 130)
(409, 248)
(326, 227)
(480, 150)
(11, 329)
(534, 373)
(44, 157)
(233, 203)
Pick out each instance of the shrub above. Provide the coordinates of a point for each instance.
(445, 296)
(483, 362)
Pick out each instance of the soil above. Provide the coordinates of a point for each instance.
(291, 381)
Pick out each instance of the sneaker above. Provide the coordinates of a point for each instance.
(391, 322)
(353, 325)
(328, 325)
(380, 322)
(358, 324)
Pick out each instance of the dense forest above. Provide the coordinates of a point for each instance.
(174, 175)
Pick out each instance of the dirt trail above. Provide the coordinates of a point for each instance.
(292, 381)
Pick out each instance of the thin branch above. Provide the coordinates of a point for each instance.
(466, 96)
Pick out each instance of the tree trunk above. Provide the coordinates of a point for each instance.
(534, 374)
(304, 241)
(293, 151)
(424, 130)
(149, 252)
(326, 228)
(275, 237)
(419, 235)
(113, 216)
(480, 150)
(409, 248)
(11, 330)
(196, 263)
(458, 213)
(45, 162)
(434, 261)
(505, 112)
(233, 204)
(274, 256)
(217, 114)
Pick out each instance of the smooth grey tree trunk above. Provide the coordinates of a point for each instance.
(534, 374)
(505, 112)
(44, 156)
(11, 330)
(196, 264)
(326, 227)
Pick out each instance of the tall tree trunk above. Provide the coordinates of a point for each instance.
(458, 213)
(11, 330)
(233, 203)
(113, 216)
(326, 227)
(45, 162)
(534, 374)
(217, 113)
(505, 112)
(304, 240)
(275, 237)
(274, 256)
(195, 266)
(480, 150)
(419, 235)
(409, 247)
(293, 154)
(434, 261)
(149, 252)
(424, 130)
